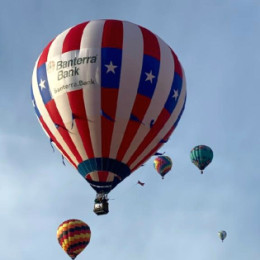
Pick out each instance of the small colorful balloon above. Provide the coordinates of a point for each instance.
(222, 234)
(201, 156)
(73, 235)
(162, 165)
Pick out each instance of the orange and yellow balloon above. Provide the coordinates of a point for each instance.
(73, 236)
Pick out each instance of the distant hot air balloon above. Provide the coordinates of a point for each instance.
(201, 156)
(222, 235)
(162, 164)
(73, 235)
(107, 92)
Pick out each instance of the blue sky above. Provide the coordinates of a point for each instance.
(217, 43)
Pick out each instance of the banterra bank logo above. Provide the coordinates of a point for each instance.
(68, 68)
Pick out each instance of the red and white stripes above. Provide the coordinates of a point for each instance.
(75, 70)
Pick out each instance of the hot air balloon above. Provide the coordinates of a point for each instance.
(162, 165)
(97, 87)
(222, 235)
(201, 156)
(73, 235)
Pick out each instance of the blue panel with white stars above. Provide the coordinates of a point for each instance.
(111, 59)
(43, 84)
(34, 105)
(149, 76)
(174, 93)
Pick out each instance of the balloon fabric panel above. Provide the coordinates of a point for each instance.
(73, 38)
(76, 100)
(146, 86)
(48, 132)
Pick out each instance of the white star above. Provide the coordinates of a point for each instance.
(176, 94)
(42, 84)
(111, 67)
(149, 76)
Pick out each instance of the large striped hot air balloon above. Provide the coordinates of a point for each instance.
(108, 94)
(73, 235)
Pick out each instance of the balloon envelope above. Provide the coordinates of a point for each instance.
(108, 94)
(162, 164)
(73, 235)
(222, 235)
(201, 156)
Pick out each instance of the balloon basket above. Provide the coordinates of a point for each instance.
(101, 206)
